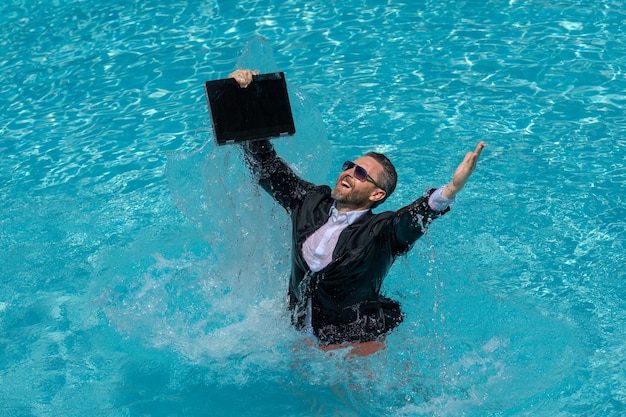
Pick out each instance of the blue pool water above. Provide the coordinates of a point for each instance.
(144, 274)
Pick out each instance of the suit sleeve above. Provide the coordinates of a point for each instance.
(412, 221)
(274, 175)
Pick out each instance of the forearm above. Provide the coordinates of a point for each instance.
(259, 155)
(274, 174)
(463, 172)
(450, 190)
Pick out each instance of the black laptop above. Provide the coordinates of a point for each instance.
(259, 111)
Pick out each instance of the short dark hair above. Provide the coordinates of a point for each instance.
(388, 178)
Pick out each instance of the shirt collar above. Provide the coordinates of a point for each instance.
(352, 216)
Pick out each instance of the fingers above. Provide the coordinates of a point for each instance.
(472, 157)
(479, 148)
(243, 76)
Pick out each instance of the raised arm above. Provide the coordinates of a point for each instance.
(463, 172)
(412, 221)
(272, 173)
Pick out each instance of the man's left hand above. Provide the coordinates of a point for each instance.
(463, 172)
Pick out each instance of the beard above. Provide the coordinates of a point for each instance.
(350, 196)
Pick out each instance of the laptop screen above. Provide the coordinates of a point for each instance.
(259, 111)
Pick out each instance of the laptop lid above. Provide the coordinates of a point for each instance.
(259, 111)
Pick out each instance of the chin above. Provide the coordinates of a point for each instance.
(336, 196)
(339, 194)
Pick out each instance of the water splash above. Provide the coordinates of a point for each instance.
(226, 308)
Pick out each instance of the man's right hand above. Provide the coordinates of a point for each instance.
(243, 76)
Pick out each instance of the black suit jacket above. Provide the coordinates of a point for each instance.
(347, 291)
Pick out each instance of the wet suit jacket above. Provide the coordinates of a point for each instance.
(345, 300)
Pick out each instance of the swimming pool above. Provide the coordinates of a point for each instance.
(137, 278)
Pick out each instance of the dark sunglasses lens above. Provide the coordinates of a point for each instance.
(360, 173)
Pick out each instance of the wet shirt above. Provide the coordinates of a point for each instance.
(318, 249)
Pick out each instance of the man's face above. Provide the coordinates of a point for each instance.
(355, 194)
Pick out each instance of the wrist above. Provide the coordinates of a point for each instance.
(438, 201)
(450, 191)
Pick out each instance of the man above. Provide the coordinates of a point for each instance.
(341, 250)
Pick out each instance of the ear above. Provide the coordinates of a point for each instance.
(377, 195)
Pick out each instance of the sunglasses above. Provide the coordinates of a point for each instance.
(360, 173)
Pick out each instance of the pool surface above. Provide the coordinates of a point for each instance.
(143, 273)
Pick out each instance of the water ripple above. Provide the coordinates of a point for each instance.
(95, 95)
